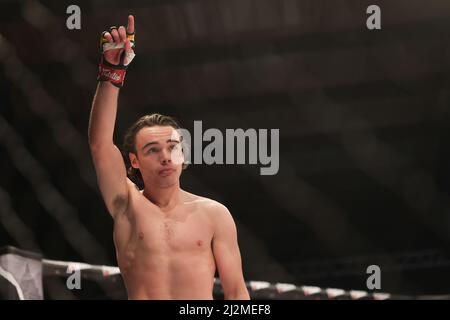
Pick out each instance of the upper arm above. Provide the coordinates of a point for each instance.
(227, 254)
(111, 178)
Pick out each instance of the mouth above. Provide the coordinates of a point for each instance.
(166, 172)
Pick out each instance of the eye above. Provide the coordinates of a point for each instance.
(173, 146)
(152, 150)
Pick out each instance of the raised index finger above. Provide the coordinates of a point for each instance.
(130, 25)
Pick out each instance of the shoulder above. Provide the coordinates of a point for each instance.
(132, 187)
(214, 209)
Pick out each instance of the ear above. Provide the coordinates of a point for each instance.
(133, 160)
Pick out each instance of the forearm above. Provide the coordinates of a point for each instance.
(103, 114)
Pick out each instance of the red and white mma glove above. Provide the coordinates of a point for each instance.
(115, 73)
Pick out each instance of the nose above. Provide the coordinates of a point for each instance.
(166, 156)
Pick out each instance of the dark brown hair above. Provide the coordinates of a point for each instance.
(129, 141)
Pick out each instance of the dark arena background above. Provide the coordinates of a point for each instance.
(364, 140)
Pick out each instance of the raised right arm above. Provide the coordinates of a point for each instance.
(108, 162)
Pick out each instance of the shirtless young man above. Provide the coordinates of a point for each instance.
(168, 242)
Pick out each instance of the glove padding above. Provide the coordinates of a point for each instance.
(110, 72)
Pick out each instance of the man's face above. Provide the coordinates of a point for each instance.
(159, 155)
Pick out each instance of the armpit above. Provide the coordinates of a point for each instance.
(119, 203)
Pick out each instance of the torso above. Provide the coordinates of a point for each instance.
(166, 255)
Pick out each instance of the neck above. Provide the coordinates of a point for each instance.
(165, 198)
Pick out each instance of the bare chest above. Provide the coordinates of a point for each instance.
(191, 234)
(186, 229)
